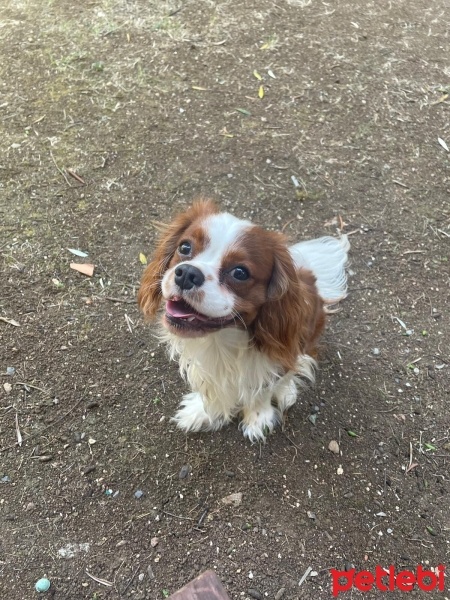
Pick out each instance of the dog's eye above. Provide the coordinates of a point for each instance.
(240, 273)
(185, 248)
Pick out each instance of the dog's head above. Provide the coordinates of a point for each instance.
(214, 270)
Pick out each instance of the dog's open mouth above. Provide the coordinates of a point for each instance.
(183, 315)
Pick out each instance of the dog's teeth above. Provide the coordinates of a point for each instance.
(191, 318)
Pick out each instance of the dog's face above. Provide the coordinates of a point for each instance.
(213, 270)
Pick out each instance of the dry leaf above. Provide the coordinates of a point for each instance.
(10, 321)
(261, 92)
(443, 144)
(257, 75)
(86, 268)
(142, 258)
(19, 435)
(77, 252)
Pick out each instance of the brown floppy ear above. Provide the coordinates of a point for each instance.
(150, 295)
(290, 321)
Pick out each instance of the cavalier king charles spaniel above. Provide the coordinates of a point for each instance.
(243, 312)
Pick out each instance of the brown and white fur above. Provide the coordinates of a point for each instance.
(243, 314)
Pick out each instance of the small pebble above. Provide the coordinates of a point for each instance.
(154, 542)
(229, 473)
(138, 494)
(88, 469)
(5, 479)
(311, 515)
(7, 387)
(234, 499)
(42, 585)
(184, 471)
(93, 404)
(376, 351)
(141, 576)
(10, 370)
(77, 438)
(150, 572)
(334, 447)
(45, 458)
(255, 594)
(312, 419)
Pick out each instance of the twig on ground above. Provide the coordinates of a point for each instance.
(75, 176)
(60, 170)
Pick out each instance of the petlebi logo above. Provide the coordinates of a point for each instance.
(388, 580)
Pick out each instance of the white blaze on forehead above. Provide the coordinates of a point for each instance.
(223, 232)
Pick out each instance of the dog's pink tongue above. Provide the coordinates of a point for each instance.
(178, 308)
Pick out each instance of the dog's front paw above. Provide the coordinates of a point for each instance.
(192, 415)
(257, 423)
(286, 395)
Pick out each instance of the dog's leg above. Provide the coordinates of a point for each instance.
(260, 418)
(192, 415)
(285, 392)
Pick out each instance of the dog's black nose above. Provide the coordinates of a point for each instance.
(187, 277)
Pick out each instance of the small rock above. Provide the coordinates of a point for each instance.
(376, 351)
(312, 418)
(141, 576)
(311, 515)
(348, 495)
(315, 409)
(154, 542)
(88, 469)
(77, 438)
(5, 479)
(7, 387)
(91, 405)
(340, 470)
(234, 499)
(184, 471)
(45, 458)
(334, 447)
(138, 494)
(42, 585)
(255, 594)
(150, 572)
(10, 370)
(229, 473)
(30, 506)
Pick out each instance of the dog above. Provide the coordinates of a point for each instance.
(243, 313)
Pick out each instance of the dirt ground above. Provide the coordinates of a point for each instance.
(118, 112)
